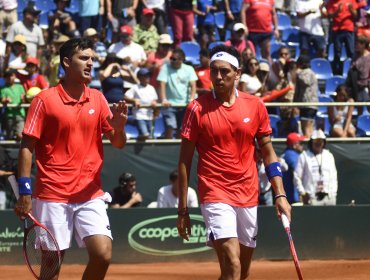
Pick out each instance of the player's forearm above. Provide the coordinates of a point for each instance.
(25, 156)
(119, 139)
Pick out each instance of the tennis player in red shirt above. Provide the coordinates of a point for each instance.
(64, 127)
(224, 126)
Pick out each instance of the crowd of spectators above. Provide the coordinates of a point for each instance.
(140, 55)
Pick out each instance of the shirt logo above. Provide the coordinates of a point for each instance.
(91, 111)
(246, 120)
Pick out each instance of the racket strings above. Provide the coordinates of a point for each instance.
(42, 253)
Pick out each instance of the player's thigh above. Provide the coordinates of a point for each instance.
(58, 218)
(247, 226)
(90, 219)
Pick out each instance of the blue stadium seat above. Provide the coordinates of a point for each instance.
(332, 84)
(44, 20)
(295, 51)
(214, 44)
(283, 20)
(227, 34)
(290, 35)
(346, 66)
(2, 82)
(73, 7)
(191, 50)
(21, 5)
(322, 122)
(343, 55)
(274, 120)
(322, 68)
(323, 110)
(363, 125)
(159, 128)
(220, 19)
(170, 31)
(274, 49)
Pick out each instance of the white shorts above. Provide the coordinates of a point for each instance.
(62, 219)
(225, 221)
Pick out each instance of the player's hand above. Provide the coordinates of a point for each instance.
(23, 206)
(120, 115)
(184, 226)
(282, 206)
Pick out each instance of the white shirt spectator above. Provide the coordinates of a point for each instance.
(253, 83)
(133, 50)
(146, 95)
(307, 176)
(166, 198)
(311, 23)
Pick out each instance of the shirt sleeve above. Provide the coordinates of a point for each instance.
(163, 74)
(298, 174)
(264, 127)
(192, 74)
(190, 125)
(35, 118)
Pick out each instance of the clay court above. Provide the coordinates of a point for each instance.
(266, 270)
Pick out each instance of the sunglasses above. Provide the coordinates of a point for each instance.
(253, 64)
(284, 54)
(174, 59)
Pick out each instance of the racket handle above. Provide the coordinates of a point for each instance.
(13, 182)
(285, 221)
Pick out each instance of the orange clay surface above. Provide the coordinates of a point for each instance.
(338, 269)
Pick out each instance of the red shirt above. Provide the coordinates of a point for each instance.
(204, 80)
(240, 46)
(153, 58)
(69, 150)
(363, 31)
(36, 80)
(259, 15)
(224, 138)
(343, 20)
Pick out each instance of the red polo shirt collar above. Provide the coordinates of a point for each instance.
(66, 98)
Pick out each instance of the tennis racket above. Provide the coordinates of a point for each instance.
(40, 249)
(286, 224)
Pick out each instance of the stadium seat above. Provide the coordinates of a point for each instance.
(44, 20)
(363, 125)
(295, 51)
(159, 128)
(323, 110)
(343, 55)
(332, 84)
(21, 5)
(73, 7)
(2, 82)
(227, 34)
(346, 66)
(214, 44)
(322, 68)
(191, 50)
(170, 31)
(219, 19)
(274, 120)
(274, 49)
(283, 20)
(322, 122)
(290, 35)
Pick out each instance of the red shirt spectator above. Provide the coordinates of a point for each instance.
(32, 78)
(259, 15)
(342, 20)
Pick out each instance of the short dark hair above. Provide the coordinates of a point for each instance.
(69, 48)
(304, 61)
(228, 49)
(204, 52)
(180, 52)
(174, 175)
(125, 178)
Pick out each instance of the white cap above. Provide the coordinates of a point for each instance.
(318, 134)
(238, 26)
(264, 66)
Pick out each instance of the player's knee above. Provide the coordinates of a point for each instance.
(103, 258)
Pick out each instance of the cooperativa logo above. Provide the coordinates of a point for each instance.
(159, 237)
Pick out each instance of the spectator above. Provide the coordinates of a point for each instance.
(340, 117)
(204, 9)
(143, 94)
(311, 31)
(54, 69)
(15, 59)
(259, 16)
(238, 39)
(357, 78)
(156, 59)
(204, 83)
(133, 54)
(294, 147)
(8, 14)
(13, 94)
(145, 33)
(249, 81)
(61, 21)
(364, 29)
(121, 12)
(160, 16)
(182, 20)
(316, 174)
(178, 87)
(168, 195)
(113, 75)
(33, 78)
(99, 47)
(246, 54)
(232, 12)
(343, 14)
(30, 30)
(306, 91)
(90, 13)
(125, 195)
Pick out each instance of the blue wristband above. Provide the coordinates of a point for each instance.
(273, 169)
(24, 185)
